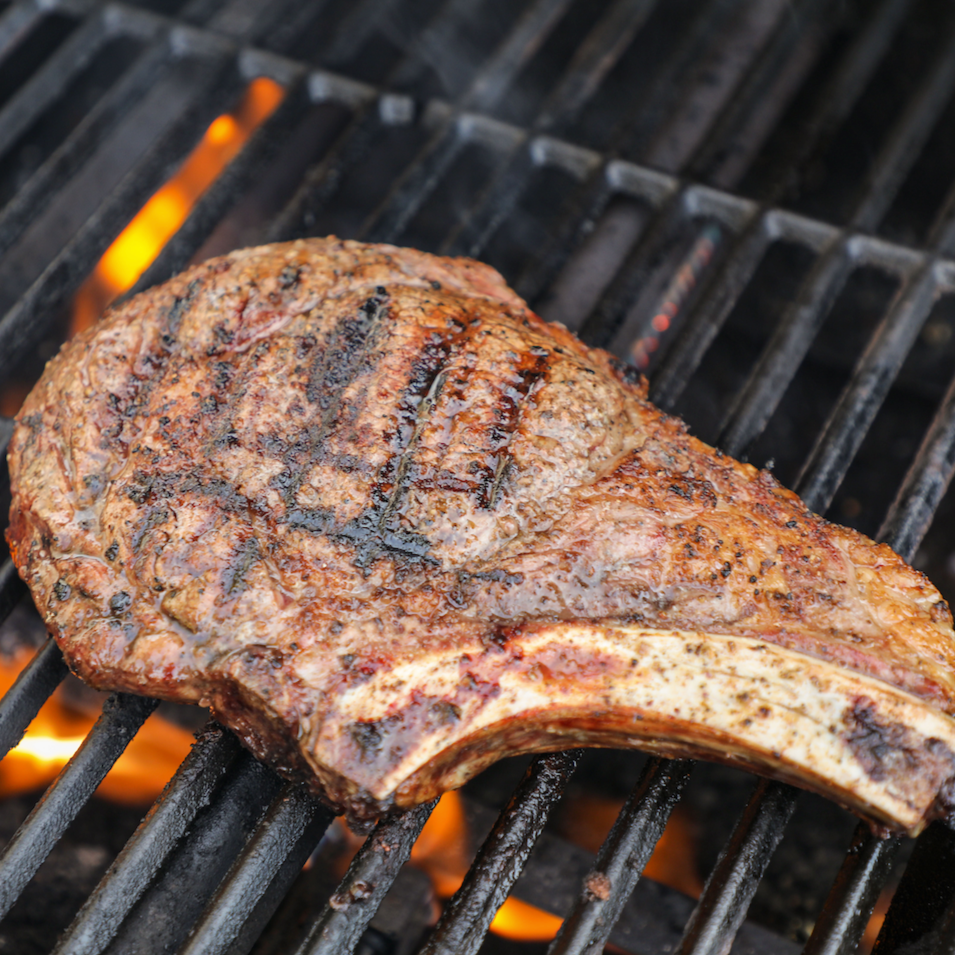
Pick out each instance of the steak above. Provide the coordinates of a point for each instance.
(391, 526)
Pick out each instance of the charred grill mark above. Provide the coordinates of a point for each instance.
(492, 491)
(376, 532)
(139, 388)
(348, 354)
(415, 407)
(232, 381)
(315, 520)
(152, 487)
(334, 369)
(180, 306)
(531, 369)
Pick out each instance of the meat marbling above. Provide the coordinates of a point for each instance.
(391, 526)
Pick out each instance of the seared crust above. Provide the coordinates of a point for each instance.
(289, 474)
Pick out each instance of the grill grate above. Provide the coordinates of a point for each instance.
(697, 246)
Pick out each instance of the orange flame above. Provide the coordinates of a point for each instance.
(136, 778)
(442, 848)
(155, 224)
(586, 819)
(874, 925)
(442, 851)
(152, 757)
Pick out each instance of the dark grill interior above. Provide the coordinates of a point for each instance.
(753, 202)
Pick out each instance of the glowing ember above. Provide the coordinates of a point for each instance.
(137, 777)
(677, 294)
(155, 224)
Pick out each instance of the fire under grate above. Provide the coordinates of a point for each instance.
(558, 129)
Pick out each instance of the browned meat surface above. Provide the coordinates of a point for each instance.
(391, 526)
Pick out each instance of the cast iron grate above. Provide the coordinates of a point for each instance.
(500, 131)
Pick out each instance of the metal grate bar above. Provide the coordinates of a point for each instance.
(32, 197)
(733, 881)
(413, 187)
(28, 320)
(517, 49)
(297, 21)
(608, 39)
(16, 22)
(849, 422)
(761, 394)
(646, 185)
(354, 29)
(925, 483)
(635, 273)
(838, 97)
(12, 588)
(31, 843)
(481, 221)
(595, 57)
(199, 11)
(499, 861)
(189, 876)
(168, 820)
(923, 898)
(262, 874)
(702, 327)
(676, 287)
(230, 184)
(247, 21)
(946, 934)
(845, 915)
(322, 181)
(369, 877)
(431, 45)
(634, 132)
(21, 703)
(6, 433)
(584, 209)
(623, 857)
(905, 141)
(703, 324)
(50, 81)
(799, 24)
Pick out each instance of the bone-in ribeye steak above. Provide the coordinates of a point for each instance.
(391, 526)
